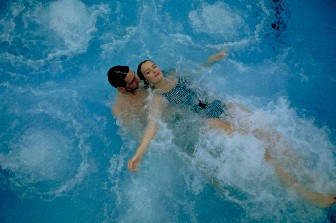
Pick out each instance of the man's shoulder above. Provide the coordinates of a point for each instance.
(124, 101)
(140, 93)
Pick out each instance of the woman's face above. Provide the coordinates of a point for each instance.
(151, 72)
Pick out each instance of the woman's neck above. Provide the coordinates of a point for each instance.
(165, 85)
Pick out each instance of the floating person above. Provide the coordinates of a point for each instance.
(176, 91)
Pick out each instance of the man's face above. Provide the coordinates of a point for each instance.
(132, 82)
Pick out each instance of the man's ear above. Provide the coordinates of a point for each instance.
(121, 89)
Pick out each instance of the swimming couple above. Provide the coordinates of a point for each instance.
(171, 90)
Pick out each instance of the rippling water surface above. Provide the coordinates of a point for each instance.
(63, 157)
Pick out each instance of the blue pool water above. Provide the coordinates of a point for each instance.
(63, 157)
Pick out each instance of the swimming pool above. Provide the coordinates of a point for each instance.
(63, 157)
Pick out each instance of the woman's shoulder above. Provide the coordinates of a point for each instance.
(173, 75)
(170, 72)
(158, 101)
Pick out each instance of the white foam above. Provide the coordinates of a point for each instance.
(43, 154)
(41, 160)
(64, 28)
(74, 23)
(217, 19)
(150, 195)
(237, 161)
(48, 153)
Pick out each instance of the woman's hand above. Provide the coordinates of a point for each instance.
(134, 162)
(215, 58)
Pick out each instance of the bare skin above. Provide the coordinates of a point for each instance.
(322, 200)
(155, 77)
(214, 58)
(220, 124)
(149, 133)
(129, 107)
(319, 199)
(130, 101)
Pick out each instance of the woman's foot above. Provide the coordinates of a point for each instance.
(322, 200)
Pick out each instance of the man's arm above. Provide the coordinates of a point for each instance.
(120, 111)
(116, 111)
(117, 107)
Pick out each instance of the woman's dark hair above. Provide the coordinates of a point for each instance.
(116, 76)
(140, 74)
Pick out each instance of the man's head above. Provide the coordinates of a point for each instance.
(124, 79)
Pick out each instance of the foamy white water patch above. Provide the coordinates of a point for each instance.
(62, 28)
(156, 193)
(239, 172)
(41, 154)
(74, 23)
(43, 162)
(219, 20)
(47, 154)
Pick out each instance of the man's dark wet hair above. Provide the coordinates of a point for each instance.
(116, 76)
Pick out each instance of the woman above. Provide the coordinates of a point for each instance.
(177, 91)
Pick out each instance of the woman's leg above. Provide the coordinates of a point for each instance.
(322, 200)
(272, 138)
(220, 124)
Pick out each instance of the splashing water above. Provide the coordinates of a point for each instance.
(62, 151)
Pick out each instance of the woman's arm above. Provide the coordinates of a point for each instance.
(147, 137)
(153, 116)
(214, 58)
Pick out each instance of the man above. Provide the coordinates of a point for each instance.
(130, 99)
